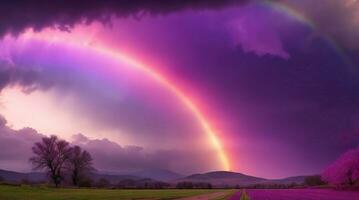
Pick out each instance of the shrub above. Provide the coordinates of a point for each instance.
(184, 185)
(85, 183)
(313, 180)
(102, 183)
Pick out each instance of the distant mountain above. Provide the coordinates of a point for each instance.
(216, 178)
(225, 178)
(151, 175)
(18, 177)
(158, 174)
(114, 178)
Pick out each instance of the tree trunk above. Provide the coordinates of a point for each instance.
(75, 177)
(350, 179)
(54, 178)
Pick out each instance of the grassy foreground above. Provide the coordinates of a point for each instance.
(44, 193)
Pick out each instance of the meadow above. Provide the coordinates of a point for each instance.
(45, 193)
(301, 194)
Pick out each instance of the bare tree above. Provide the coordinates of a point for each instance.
(80, 164)
(51, 154)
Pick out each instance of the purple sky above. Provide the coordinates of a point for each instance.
(283, 92)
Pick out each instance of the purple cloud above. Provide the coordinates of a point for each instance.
(108, 155)
(64, 15)
(256, 32)
(16, 146)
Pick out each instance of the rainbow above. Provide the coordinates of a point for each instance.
(149, 71)
(170, 85)
(301, 17)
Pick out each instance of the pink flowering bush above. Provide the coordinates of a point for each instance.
(345, 170)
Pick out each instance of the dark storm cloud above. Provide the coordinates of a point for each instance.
(28, 79)
(334, 18)
(15, 16)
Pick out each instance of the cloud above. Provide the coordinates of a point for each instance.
(110, 156)
(336, 18)
(116, 105)
(107, 155)
(17, 16)
(259, 38)
(16, 146)
(28, 79)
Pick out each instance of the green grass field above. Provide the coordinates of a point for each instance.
(44, 193)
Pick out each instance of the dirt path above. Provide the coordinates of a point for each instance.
(209, 196)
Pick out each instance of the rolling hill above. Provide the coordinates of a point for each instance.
(158, 174)
(225, 178)
(18, 177)
(216, 178)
